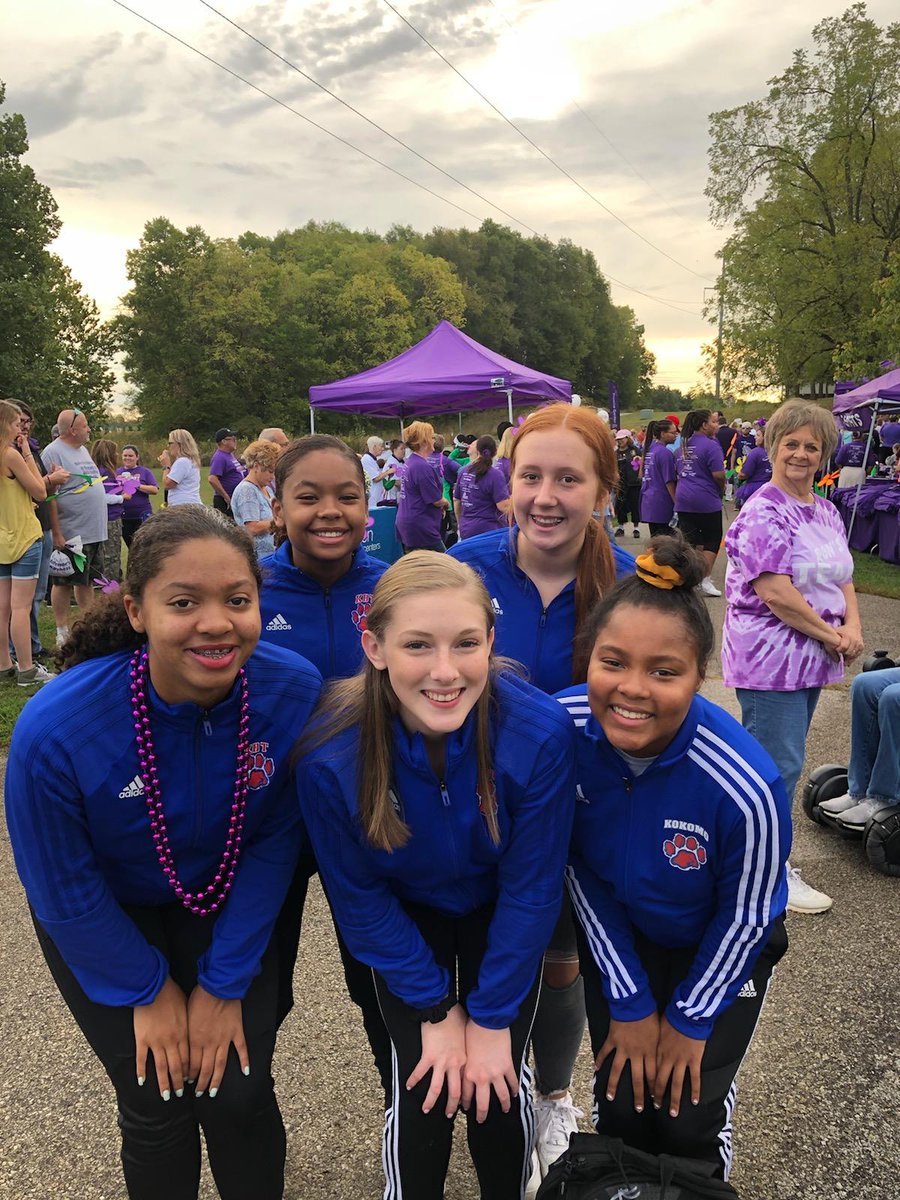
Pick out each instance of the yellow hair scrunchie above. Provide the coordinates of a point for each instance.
(656, 575)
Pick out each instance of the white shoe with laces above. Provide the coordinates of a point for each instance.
(805, 899)
(556, 1119)
(708, 588)
(855, 818)
(838, 805)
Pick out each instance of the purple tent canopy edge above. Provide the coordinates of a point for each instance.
(885, 389)
(446, 371)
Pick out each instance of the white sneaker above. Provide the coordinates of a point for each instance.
(534, 1183)
(61, 634)
(556, 1119)
(855, 818)
(36, 677)
(708, 588)
(805, 899)
(838, 805)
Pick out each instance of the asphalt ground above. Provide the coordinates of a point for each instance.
(817, 1112)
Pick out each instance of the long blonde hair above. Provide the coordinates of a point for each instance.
(187, 447)
(368, 700)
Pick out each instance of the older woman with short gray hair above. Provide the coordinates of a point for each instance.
(791, 620)
(376, 470)
(251, 500)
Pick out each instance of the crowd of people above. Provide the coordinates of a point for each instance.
(526, 819)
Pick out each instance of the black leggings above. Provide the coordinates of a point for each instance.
(628, 503)
(702, 1131)
(417, 1145)
(242, 1125)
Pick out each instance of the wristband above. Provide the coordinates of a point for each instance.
(437, 1012)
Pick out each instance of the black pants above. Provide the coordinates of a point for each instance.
(658, 528)
(417, 1145)
(703, 1131)
(130, 527)
(628, 502)
(242, 1125)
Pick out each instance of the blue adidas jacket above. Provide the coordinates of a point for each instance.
(450, 862)
(537, 637)
(691, 853)
(322, 624)
(80, 830)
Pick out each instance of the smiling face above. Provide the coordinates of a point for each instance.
(324, 511)
(555, 490)
(436, 650)
(797, 458)
(200, 614)
(129, 458)
(642, 677)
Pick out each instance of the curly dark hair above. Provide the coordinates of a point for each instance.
(682, 601)
(105, 627)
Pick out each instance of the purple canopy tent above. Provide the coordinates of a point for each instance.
(446, 371)
(871, 399)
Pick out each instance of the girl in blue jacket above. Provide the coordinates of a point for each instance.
(318, 584)
(155, 834)
(317, 588)
(543, 576)
(438, 793)
(676, 869)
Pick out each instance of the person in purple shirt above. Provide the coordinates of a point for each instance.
(658, 477)
(700, 486)
(422, 494)
(479, 491)
(890, 433)
(225, 471)
(504, 451)
(851, 458)
(137, 507)
(755, 470)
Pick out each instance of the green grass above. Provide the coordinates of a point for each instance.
(875, 577)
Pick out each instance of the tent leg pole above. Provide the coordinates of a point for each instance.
(459, 417)
(509, 405)
(401, 429)
(865, 460)
(312, 420)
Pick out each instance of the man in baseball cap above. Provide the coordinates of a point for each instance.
(225, 471)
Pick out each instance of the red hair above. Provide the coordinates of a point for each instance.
(596, 572)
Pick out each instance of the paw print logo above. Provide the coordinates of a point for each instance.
(685, 853)
(262, 768)
(361, 611)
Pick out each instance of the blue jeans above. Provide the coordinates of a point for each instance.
(875, 736)
(780, 722)
(40, 591)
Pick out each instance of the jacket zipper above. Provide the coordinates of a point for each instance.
(448, 820)
(204, 726)
(327, 598)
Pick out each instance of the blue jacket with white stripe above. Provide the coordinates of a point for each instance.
(539, 638)
(690, 853)
(323, 624)
(450, 863)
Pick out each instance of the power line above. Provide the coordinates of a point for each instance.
(371, 157)
(521, 132)
(296, 112)
(369, 121)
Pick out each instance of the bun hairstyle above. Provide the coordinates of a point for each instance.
(596, 572)
(653, 432)
(105, 628)
(368, 702)
(666, 580)
(486, 448)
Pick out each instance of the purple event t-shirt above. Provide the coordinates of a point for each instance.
(776, 533)
(418, 515)
(696, 491)
(851, 455)
(659, 469)
(138, 506)
(226, 469)
(478, 501)
(755, 471)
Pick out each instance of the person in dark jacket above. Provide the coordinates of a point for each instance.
(676, 867)
(438, 793)
(155, 834)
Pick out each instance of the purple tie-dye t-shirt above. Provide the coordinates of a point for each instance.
(776, 533)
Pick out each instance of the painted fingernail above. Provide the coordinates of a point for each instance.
(673, 1112)
(199, 1093)
(140, 1081)
(246, 1070)
(213, 1092)
(695, 1102)
(609, 1096)
(191, 1081)
(656, 1106)
(167, 1095)
(639, 1108)
(179, 1092)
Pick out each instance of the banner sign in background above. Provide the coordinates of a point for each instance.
(381, 539)
(614, 413)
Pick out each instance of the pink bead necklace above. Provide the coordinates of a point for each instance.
(213, 896)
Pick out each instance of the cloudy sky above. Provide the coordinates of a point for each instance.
(126, 124)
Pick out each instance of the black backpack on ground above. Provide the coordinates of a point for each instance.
(604, 1168)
